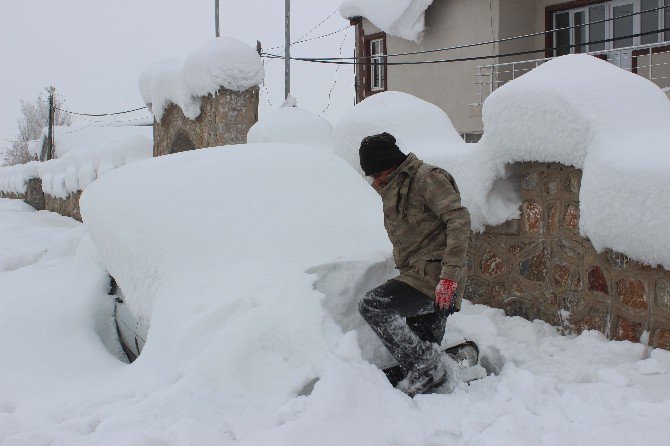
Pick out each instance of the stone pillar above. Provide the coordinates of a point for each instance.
(225, 118)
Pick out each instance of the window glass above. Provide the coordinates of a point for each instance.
(649, 21)
(562, 40)
(377, 71)
(666, 23)
(579, 18)
(597, 30)
(622, 26)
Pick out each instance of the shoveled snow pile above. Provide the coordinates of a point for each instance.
(424, 129)
(83, 154)
(579, 110)
(401, 18)
(293, 125)
(223, 62)
(230, 347)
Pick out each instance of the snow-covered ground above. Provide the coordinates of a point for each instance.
(250, 298)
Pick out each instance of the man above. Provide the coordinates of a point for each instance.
(429, 230)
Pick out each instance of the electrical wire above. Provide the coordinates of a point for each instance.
(466, 59)
(97, 115)
(332, 88)
(490, 42)
(300, 39)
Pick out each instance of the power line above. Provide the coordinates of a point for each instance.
(466, 59)
(332, 88)
(300, 39)
(100, 114)
(506, 39)
(312, 38)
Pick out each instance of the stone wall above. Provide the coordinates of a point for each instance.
(34, 195)
(65, 206)
(224, 119)
(539, 267)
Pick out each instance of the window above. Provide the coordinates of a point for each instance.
(577, 39)
(377, 65)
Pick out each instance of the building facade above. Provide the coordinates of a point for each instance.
(600, 28)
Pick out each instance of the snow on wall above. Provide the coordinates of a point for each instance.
(223, 62)
(401, 18)
(577, 110)
(424, 129)
(83, 155)
(581, 111)
(14, 179)
(293, 125)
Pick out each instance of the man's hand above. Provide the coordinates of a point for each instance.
(444, 293)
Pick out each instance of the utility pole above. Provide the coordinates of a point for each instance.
(287, 50)
(216, 17)
(50, 135)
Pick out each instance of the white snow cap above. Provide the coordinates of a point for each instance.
(293, 125)
(223, 62)
(579, 110)
(401, 18)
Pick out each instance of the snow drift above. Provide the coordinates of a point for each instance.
(401, 18)
(223, 62)
(293, 125)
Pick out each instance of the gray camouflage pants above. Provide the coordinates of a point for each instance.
(411, 341)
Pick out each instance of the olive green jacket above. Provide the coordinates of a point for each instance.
(427, 225)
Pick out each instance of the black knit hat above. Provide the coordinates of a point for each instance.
(379, 152)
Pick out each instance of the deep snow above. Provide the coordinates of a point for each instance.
(250, 297)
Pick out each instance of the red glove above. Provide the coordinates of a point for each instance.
(444, 293)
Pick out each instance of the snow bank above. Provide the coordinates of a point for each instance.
(581, 111)
(426, 130)
(293, 125)
(223, 62)
(401, 18)
(217, 384)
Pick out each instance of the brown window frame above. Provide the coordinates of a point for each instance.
(368, 91)
(549, 12)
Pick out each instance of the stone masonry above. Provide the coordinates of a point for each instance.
(539, 267)
(225, 118)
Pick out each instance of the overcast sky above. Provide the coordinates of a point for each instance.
(93, 51)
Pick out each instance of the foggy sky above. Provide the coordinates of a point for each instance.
(93, 51)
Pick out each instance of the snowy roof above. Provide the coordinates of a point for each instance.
(401, 18)
(223, 62)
